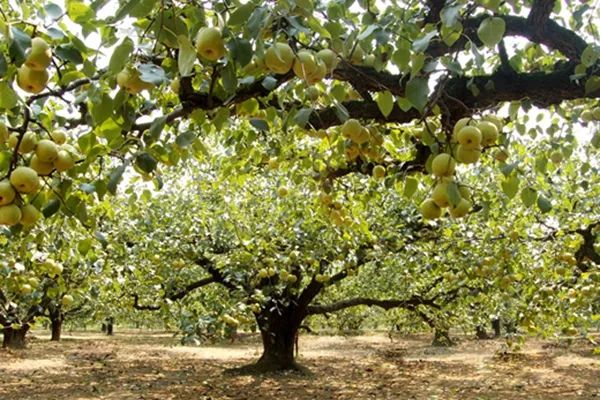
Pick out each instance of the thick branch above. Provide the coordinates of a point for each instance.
(410, 303)
(539, 14)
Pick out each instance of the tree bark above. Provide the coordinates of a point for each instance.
(481, 333)
(278, 331)
(14, 338)
(441, 338)
(497, 327)
(56, 326)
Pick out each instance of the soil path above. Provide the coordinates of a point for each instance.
(145, 366)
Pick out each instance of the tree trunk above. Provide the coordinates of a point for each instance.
(56, 328)
(278, 330)
(14, 338)
(481, 333)
(496, 326)
(441, 338)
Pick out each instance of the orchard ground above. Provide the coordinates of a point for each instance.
(143, 365)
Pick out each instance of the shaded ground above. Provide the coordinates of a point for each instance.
(132, 366)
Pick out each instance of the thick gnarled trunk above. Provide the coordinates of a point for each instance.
(14, 338)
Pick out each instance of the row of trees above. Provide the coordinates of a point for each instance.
(287, 160)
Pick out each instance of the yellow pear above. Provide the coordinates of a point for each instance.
(351, 128)
(329, 58)
(59, 136)
(29, 214)
(39, 56)
(10, 215)
(28, 142)
(279, 58)
(430, 210)
(461, 209)
(305, 65)
(30, 80)
(25, 180)
(440, 194)
(64, 161)
(379, 172)
(129, 79)
(7, 193)
(42, 168)
(469, 137)
(209, 44)
(46, 150)
(489, 133)
(443, 165)
(467, 156)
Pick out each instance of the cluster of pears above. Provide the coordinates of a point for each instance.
(47, 156)
(307, 65)
(469, 136)
(33, 75)
(364, 142)
(335, 210)
(590, 115)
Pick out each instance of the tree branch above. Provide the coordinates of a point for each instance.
(410, 303)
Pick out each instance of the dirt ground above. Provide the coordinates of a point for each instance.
(144, 366)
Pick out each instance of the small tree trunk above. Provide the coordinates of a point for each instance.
(496, 327)
(441, 338)
(14, 338)
(56, 328)
(481, 333)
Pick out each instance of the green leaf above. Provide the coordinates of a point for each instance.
(302, 116)
(8, 97)
(410, 187)
(256, 21)
(453, 193)
(510, 186)
(3, 65)
(152, 73)
(19, 45)
(53, 10)
(187, 55)
(155, 130)
(114, 179)
(590, 55)
(120, 56)
(79, 12)
(84, 246)
(229, 78)
(544, 204)
(146, 162)
(260, 124)
(51, 208)
(385, 102)
(449, 15)
(592, 85)
(420, 45)
(241, 51)
(185, 139)
(417, 93)
(68, 52)
(528, 196)
(368, 31)
(241, 15)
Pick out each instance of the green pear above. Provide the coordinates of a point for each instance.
(440, 194)
(461, 209)
(305, 65)
(329, 58)
(430, 210)
(489, 133)
(29, 214)
(4, 134)
(469, 137)
(129, 80)
(59, 136)
(7, 193)
(443, 165)
(25, 180)
(466, 155)
(67, 300)
(64, 161)
(39, 56)
(379, 172)
(209, 44)
(46, 150)
(28, 142)
(30, 80)
(10, 215)
(42, 168)
(279, 58)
